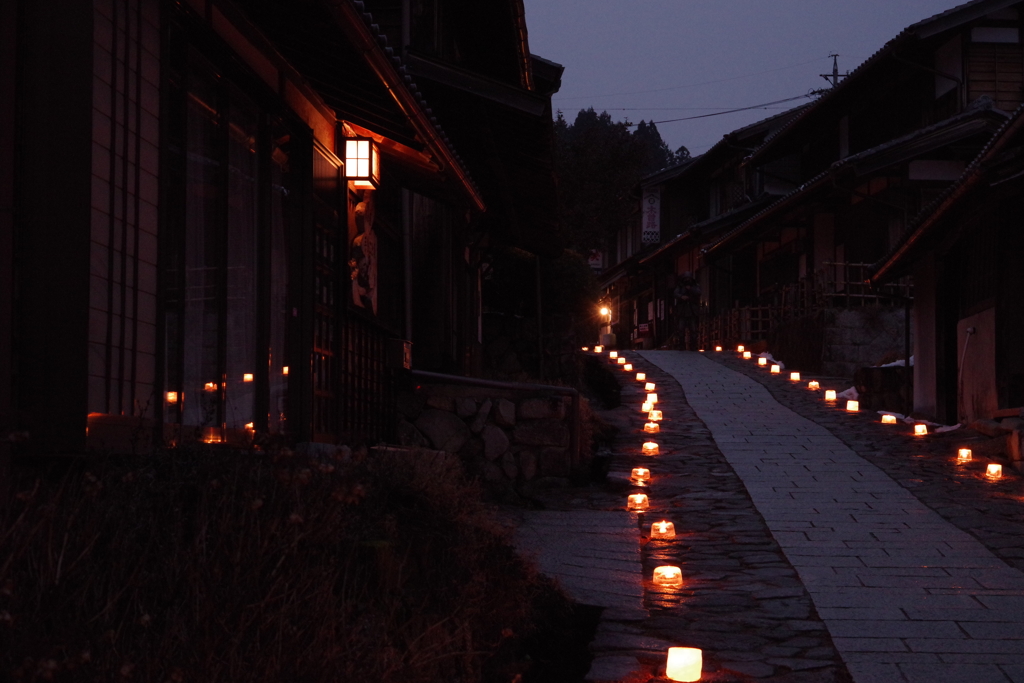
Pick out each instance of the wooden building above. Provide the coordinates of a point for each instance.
(227, 221)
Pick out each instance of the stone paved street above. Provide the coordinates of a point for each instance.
(814, 545)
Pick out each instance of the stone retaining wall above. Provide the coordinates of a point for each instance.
(506, 437)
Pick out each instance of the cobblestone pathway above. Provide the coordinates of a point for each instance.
(905, 594)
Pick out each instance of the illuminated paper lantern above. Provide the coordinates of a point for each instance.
(172, 397)
(830, 394)
(700, 351)
(920, 430)
(628, 367)
(964, 455)
(794, 376)
(637, 502)
(649, 386)
(362, 163)
(746, 355)
(654, 415)
(852, 406)
(663, 529)
(684, 664)
(740, 349)
(669, 576)
(776, 369)
(284, 370)
(994, 471)
(652, 428)
(620, 361)
(210, 386)
(586, 348)
(813, 385)
(650, 448)
(647, 407)
(652, 398)
(613, 354)
(718, 348)
(762, 361)
(598, 349)
(247, 377)
(250, 427)
(888, 419)
(641, 474)
(641, 376)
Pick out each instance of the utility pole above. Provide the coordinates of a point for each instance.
(834, 77)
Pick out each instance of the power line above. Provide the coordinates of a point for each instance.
(690, 85)
(732, 111)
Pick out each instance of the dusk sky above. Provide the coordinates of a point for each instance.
(667, 59)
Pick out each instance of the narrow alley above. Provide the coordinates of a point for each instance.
(814, 544)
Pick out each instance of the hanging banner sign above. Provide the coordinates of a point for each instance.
(650, 215)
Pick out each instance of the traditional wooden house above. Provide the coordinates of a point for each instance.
(861, 161)
(965, 252)
(230, 220)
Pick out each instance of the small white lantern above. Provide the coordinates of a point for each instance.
(746, 355)
(598, 349)
(888, 419)
(362, 163)
(649, 386)
(641, 475)
(776, 369)
(172, 397)
(620, 361)
(964, 455)
(647, 407)
(740, 349)
(654, 415)
(718, 348)
(669, 576)
(830, 394)
(813, 385)
(663, 529)
(641, 376)
(637, 502)
(613, 354)
(852, 406)
(284, 370)
(650, 448)
(247, 377)
(652, 398)
(794, 376)
(920, 430)
(762, 361)
(652, 428)
(586, 348)
(628, 367)
(994, 471)
(684, 664)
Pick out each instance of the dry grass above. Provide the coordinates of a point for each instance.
(210, 566)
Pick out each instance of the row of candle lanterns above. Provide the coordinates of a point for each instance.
(682, 663)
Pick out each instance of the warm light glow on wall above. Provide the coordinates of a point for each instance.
(669, 576)
(888, 419)
(920, 430)
(994, 471)
(830, 394)
(650, 448)
(637, 502)
(684, 664)
(362, 163)
(663, 529)
(964, 455)
(172, 397)
(852, 406)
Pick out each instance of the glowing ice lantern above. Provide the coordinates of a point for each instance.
(830, 394)
(598, 349)
(647, 407)
(740, 349)
(247, 377)
(637, 502)
(620, 361)
(762, 361)
(852, 406)
(794, 376)
(586, 348)
(718, 348)
(613, 354)
(641, 376)
(684, 664)
(641, 475)
(994, 471)
(628, 367)
(649, 386)
(650, 448)
(654, 415)
(663, 529)
(746, 355)
(776, 369)
(652, 428)
(888, 419)
(172, 397)
(813, 385)
(652, 398)
(362, 163)
(920, 430)
(669, 576)
(284, 370)
(963, 455)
